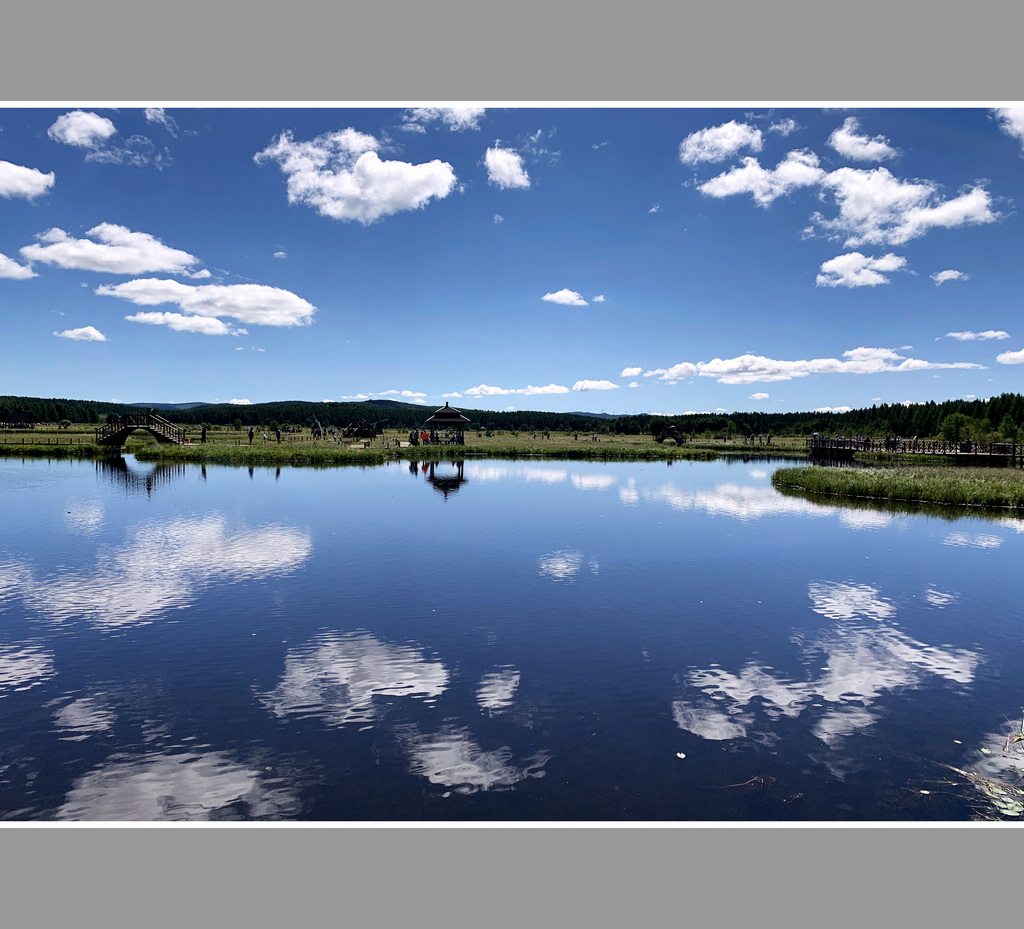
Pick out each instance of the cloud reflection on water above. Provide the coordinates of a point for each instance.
(179, 786)
(337, 677)
(862, 658)
(23, 667)
(451, 758)
(161, 567)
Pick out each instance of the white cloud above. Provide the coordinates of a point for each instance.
(117, 250)
(857, 270)
(505, 168)
(598, 299)
(241, 402)
(19, 181)
(655, 208)
(207, 325)
(566, 297)
(483, 390)
(249, 303)
(1011, 121)
(498, 218)
(82, 129)
(630, 372)
(833, 409)
(632, 384)
(750, 369)
(940, 277)
(341, 176)
(456, 118)
(719, 143)
(976, 336)
(157, 114)
(12, 271)
(797, 169)
(85, 334)
(879, 209)
(783, 127)
(859, 147)
(280, 254)
(1011, 358)
(758, 396)
(595, 385)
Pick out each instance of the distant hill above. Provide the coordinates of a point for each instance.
(171, 406)
(1004, 414)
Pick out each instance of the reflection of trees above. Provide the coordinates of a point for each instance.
(122, 475)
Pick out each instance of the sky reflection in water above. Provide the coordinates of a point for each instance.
(595, 641)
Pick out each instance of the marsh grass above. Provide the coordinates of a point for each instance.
(991, 488)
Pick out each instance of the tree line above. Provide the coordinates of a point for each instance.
(999, 417)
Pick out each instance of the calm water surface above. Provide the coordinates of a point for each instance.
(513, 641)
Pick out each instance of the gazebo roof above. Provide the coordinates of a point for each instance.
(448, 416)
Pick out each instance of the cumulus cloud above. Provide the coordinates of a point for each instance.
(13, 271)
(595, 385)
(85, 334)
(566, 297)
(505, 168)
(759, 396)
(969, 336)
(857, 270)
(483, 390)
(81, 129)
(750, 369)
(877, 208)
(207, 325)
(19, 181)
(456, 118)
(797, 169)
(341, 176)
(1011, 121)
(940, 277)
(630, 372)
(719, 143)
(1011, 358)
(599, 298)
(859, 147)
(117, 250)
(248, 303)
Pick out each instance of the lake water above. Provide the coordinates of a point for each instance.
(506, 641)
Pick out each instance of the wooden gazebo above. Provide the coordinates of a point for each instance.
(447, 419)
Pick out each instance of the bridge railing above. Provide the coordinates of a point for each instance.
(155, 423)
(899, 445)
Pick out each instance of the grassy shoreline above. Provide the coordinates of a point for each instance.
(980, 488)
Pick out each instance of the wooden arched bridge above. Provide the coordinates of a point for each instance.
(116, 431)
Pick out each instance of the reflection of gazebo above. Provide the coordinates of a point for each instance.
(446, 483)
(448, 419)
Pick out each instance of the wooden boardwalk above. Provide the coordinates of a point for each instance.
(116, 432)
(983, 454)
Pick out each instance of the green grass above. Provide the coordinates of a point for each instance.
(992, 488)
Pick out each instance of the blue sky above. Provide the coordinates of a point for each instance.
(613, 259)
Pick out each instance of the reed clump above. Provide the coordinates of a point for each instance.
(995, 488)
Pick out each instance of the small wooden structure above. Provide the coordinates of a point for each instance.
(447, 420)
(116, 431)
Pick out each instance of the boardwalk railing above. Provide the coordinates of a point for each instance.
(117, 431)
(1012, 451)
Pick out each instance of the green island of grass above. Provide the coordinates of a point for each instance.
(987, 488)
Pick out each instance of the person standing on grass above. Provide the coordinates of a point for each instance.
(251, 434)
